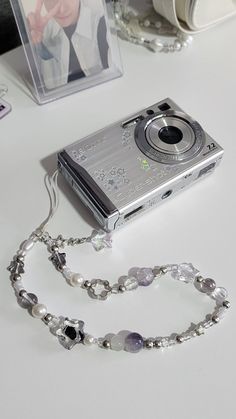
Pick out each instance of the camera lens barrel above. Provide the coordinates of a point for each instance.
(171, 137)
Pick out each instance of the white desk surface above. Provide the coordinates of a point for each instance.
(38, 378)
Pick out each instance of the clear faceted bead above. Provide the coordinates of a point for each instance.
(100, 342)
(54, 325)
(184, 272)
(67, 273)
(129, 282)
(219, 294)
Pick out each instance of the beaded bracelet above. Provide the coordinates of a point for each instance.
(71, 331)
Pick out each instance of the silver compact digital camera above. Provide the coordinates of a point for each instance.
(133, 165)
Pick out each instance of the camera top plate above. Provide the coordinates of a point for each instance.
(170, 137)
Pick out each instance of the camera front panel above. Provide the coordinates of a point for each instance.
(134, 181)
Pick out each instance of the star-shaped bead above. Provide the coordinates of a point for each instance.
(184, 272)
(16, 267)
(200, 330)
(69, 332)
(100, 240)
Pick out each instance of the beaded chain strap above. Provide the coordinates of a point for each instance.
(71, 331)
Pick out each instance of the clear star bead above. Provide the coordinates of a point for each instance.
(184, 272)
(100, 240)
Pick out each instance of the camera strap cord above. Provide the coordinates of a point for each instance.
(71, 331)
(139, 29)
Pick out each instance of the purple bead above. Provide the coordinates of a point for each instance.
(133, 342)
(144, 276)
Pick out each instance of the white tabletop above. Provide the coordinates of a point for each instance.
(39, 378)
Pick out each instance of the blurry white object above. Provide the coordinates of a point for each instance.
(138, 23)
(195, 15)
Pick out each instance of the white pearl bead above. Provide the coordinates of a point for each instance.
(27, 245)
(39, 311)
(89, 340)
(146, 23)
(76, 280)
(177, 45)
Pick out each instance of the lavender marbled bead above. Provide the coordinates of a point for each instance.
(144, 276)
(133, 342)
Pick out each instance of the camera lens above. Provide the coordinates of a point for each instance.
(170, 135)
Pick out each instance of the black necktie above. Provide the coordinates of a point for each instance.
(75, 70)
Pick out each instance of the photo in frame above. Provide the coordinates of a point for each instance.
(70, 45)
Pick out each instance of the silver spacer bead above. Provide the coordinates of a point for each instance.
(86, 285)
(179, 339)
(16, 277)
(22, 292)
(54, 248)
(48, 318)
(226, 304)
(157, 343)
(106, 344)
(121, 289)
(20, 258)
(164, 270)
(199, 279)
(148, 343)
(215, 319)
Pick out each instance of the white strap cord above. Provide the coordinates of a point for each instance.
(51, 183)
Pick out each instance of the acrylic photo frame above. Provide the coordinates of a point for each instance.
(70, 45)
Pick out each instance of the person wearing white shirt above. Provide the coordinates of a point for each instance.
(70, 40)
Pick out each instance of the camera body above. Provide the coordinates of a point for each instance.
(135, 164)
